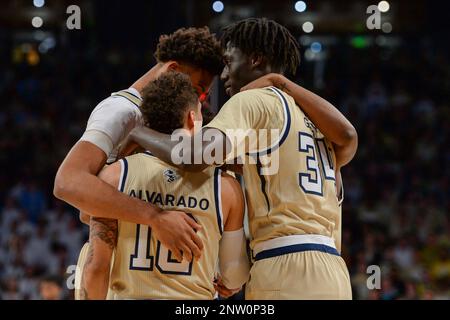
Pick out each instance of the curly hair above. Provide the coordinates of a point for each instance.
(267, 38)
(196, 46)
(166, 101)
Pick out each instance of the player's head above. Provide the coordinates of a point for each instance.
(193, 51)
(255, 47)
(170, 102)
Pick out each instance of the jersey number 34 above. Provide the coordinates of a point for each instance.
(318, 164)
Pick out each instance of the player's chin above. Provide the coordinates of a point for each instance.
(233, 91)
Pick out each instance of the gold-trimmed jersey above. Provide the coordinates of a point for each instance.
(145, 269)
(288, 165)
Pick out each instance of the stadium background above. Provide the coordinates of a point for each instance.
(393, 84)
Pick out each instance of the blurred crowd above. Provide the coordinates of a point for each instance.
(396, 207)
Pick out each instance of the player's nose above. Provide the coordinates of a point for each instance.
(224, 75)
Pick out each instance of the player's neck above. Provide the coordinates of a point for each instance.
(150, 75)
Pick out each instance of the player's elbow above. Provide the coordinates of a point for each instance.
(60, 187)
(85, 218)
(349, 136)
(64, 185)
(346, 152)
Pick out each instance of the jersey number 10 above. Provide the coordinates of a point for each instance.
(143, 260)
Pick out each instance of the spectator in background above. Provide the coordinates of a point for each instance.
(50, 288)
(31, 199)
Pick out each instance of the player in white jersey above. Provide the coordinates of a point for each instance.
(142, 268)
(194, 51)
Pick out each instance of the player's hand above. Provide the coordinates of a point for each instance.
(271, 79)
(223, 291)
(177, 232)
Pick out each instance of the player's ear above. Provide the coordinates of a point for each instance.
(257, 61)
(191, 119)
(173, 66)
(194, 119)
(167, 66)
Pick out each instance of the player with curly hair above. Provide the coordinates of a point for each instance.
(192, 51)
(142, 268)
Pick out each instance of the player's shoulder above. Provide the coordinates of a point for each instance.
(111, 173)
(145, 156)
(118, 104)
(254, 97)
(259, 92)
(230, 186)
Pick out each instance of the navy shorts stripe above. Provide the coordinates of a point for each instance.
(295, 248)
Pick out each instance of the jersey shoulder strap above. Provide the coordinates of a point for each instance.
(129, 96)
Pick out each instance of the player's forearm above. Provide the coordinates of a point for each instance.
(97, 198)
(329, 120)
(95, 284)
(159, 144)
(163, 147)
(233, 261)
(102, 241)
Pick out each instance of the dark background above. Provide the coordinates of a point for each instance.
(394, 88)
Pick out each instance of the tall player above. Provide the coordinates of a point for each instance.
(295, 213)
(194, 51)
(143, 268)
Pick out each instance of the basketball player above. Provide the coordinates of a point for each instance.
(193, 51)
(295, 214)
(143, 268)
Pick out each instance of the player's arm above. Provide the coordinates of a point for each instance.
(233, 260)
(96, 272)
(85, 218)
(211, 145)
(327, 118)
(167, 148)
(76, 183)
(102, 241)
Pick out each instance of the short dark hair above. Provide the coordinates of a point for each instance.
(52, 279)
(195, 46)
(166, 100)
(267, 38)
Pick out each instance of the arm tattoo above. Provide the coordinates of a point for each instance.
(83, 290)
(105, 230)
